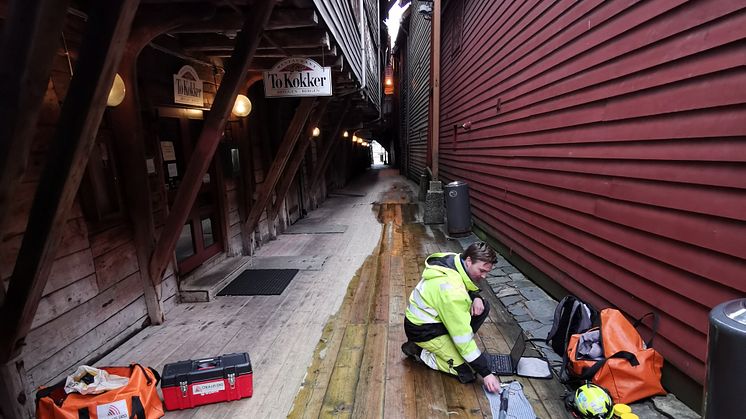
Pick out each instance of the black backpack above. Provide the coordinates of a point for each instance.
(571, 316)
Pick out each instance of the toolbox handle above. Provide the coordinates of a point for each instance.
(206, 364)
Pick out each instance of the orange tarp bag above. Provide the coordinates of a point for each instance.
(629, 368)
(138, 399)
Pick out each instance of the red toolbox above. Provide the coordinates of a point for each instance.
(187, 384)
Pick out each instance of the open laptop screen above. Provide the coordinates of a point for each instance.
(518, 348)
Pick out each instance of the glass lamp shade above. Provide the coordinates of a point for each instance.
(116, 94)
(345, 134)
(316, 132)
(242, 107)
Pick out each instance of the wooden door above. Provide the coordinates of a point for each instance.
(201, 236)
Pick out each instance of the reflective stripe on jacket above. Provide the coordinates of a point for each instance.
(442, 296)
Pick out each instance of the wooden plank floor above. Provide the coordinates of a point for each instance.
(358, 369)
(330, 345)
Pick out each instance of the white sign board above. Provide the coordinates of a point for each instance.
(298, 77)
(188, 87)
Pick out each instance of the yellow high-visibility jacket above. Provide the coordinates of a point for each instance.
(441, 303)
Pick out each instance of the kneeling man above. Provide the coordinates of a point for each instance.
(445, 311)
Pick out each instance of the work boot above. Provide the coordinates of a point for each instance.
(412, 350)
(464, 373)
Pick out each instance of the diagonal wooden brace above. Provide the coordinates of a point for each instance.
(207, 143)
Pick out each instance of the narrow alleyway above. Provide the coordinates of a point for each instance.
(329, 345)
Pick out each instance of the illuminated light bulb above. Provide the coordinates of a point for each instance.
(345, 134)
(242, 107)
(116, 93)
(316, 132)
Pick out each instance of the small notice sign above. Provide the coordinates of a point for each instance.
(188, 87)
(298, 77)
(167, 151)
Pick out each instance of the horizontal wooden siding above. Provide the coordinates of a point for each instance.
(607, 148)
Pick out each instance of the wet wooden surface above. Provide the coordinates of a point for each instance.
(329, 346)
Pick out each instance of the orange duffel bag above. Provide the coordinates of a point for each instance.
(628, 367)
(138, 399)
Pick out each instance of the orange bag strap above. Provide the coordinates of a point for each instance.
(591, 371)
(656, 322)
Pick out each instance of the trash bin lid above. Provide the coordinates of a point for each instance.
(456, 183)
(736, 310)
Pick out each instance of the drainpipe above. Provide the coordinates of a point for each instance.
(435, 64)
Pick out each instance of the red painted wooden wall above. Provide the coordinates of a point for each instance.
(607, 148)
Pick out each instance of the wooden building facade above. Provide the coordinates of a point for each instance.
(105, 211)
(605, 146)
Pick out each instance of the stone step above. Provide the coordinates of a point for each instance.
(205, 286)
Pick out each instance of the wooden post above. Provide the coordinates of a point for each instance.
(299, 153)
(278, 165)
(104, 39)
(326, 154)
(29, 42)
(126, 122)
(246, 44)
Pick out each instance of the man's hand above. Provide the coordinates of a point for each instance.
(477, 307)
(492, 383)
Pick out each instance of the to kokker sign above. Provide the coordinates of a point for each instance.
(188, 87)
(295, 76)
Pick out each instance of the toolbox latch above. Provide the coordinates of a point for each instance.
(183, 385)
(232, 379)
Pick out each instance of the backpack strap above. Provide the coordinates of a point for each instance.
(138, 410)
(557, 315)
(589, 372)
(656, 321)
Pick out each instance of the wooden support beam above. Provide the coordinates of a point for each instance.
(228, 20)
(108, 26)
(212, 130)
(283, 186)
(30, 39)
(310, 38)
(278, 165)
(127, 128)
(326, 154)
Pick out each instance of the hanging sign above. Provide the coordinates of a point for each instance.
(295, 76)
(188, 87)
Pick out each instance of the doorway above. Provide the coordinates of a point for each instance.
(200, 238)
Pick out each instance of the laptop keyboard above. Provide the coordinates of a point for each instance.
(500, 363)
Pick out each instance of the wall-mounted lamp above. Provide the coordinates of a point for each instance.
(354, 138)
(242, 107)
(116, 94)
(316, 132)
(345, 134)
(389, 82)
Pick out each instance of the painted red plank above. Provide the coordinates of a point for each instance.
(624, 55)
(728, 149)
(720, 268)
(721, 202)
(717, 234)
(719, 174)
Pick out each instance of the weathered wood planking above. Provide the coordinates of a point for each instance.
(61, 301)
(97, 341)
(44, 341)
(115, 265)
(340, 396)
(69, 269)
(370, 391)
(110, 238)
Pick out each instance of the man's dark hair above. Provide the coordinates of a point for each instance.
(480, 251)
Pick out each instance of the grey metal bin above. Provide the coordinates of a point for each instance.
(726, 361)
(458, 210)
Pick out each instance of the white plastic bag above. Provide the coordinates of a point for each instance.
(101, 381)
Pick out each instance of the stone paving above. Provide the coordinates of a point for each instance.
(533, 309)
